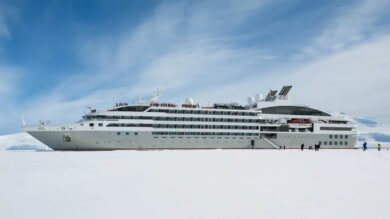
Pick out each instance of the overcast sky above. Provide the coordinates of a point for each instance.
(56, 57)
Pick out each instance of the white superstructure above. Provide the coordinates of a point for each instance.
(272, 122)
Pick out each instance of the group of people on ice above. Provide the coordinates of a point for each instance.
(379, 147)
(316, 147)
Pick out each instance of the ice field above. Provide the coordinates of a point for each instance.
(195, 184)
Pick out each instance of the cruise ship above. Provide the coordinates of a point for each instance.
(272, 122)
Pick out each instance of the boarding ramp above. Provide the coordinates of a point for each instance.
(271, 143)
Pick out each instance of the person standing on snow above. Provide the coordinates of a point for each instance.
(364, 146)
(379, 146)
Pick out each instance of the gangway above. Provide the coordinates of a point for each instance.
(270, 142)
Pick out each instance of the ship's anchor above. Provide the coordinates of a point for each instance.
(66, 138)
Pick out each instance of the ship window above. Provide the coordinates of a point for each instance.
(336, 129)
(341, 136)
(91, 124)
(100, 124)
(293, 110)
(341, 143)
(325, 143)
(346, 136)
(131, 108)
(118, 133)
(135, 133)
(330, 143)
(127, 133)
(335, 143)
(335, 136)
(330, 136)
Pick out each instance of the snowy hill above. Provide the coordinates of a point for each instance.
(20, 141)
(370, 131)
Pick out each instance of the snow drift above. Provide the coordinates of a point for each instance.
(21, 141)
(196, 184)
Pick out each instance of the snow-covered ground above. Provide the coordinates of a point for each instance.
(195, 184)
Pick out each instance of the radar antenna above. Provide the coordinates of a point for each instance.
(156, 95)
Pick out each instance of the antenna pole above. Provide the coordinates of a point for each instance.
(23, 121)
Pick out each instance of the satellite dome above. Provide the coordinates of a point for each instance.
(259, 97)
(189, 101)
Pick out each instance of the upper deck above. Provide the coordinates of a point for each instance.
(276, 106)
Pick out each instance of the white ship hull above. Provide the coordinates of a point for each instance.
(110, 140)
